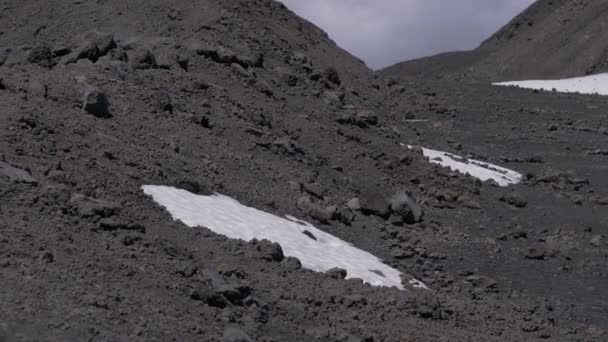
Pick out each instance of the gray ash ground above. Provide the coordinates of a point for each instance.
(246, 99)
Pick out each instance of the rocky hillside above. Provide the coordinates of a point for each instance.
(551, 39)
(243, 98)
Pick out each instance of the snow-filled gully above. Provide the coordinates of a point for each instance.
(316, 249)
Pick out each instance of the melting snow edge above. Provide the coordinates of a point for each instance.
(228, 217)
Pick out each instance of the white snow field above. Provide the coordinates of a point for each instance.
(316, 250)
(475, 168)
(592, 84)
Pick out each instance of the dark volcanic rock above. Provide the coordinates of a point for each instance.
(270, 251)
(337, 273)
(95, 102)
(373, 203)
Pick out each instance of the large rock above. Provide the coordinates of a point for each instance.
(16, 175)
(373, 203)
(270, 251)
(92, 46)
(405, 206)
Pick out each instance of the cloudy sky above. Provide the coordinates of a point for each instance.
(384, 32)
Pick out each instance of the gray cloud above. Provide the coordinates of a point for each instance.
(384, 32)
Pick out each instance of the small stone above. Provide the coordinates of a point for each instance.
(187, 270)
(596, 241)
(291, 264)
(315, 189)
(270, 251)
(41, 55)
(332, 98)
(233, 334)
(536, 254)
(88, 206)
(166, 58)
(36, 89)
(96, 103)
(331, 74)
(129, 240)
(354, 204)
(400, 254)
(209, 297)
(337, 273)
(163, 102)
(515, 200)
(323, 214)
(47, 257)
(141, 58)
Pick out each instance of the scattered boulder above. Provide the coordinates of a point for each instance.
(331, 74)
(332, 98)
(323, 214)
(108, 224)
(88, 207)
(366, 118)
(16, 175)
(220, 294)
(596, 241)
(164, 102)
(337, 273)
(225, 55)
(402, 204)
(536, 253)
(96, 103)
(166, 58)
(141, 58)
(354, 204)
(315, 189)
(291, 264)
(192, 186)
(92, 46)
(375, 204)
(270, 251)
(41, 55)
(515, 200)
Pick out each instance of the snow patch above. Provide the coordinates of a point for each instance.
(592, 84)
(478, 169)
(316, 249)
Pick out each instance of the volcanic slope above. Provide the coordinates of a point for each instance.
(243, 98)
(551, 39)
